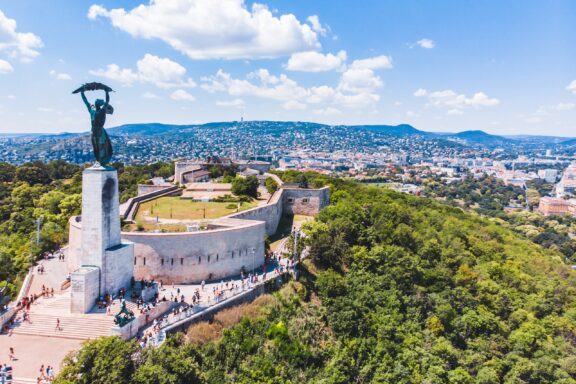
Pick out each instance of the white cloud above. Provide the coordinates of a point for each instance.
(5, 67)
(378, 62)
(149, 95)
(293, 105)
(572, 87)
(17, 44)
(45, 109)
(564, 106)
(450, 99)
(312, 61)
(359, 81)
(60, 76)
(329, 111)
(533, 120)
(356, 88)
(426, 43)
(181, 95)
(235, 103)
(316, 25)
(115, 73)
(455, 112)
(162, 72)
(265, 85)
(420, 92)
(208, 29)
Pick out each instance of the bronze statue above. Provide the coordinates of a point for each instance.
(124, 316)
(100, 140)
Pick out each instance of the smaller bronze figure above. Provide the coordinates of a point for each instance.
(100, 140)
(124, 316)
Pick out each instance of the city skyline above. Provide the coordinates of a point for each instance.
(501, 68)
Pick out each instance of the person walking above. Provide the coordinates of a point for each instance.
(11, 355)
(58, 327)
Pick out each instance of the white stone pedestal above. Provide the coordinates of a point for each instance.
(84, 288)
(101, 246)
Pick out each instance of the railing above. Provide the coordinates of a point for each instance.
(134, 202)
(173, 321)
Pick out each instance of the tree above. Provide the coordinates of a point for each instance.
(271, 185)
(101, 361)
(169, 364)
(7, 172)
(33, 175)
(245, 186)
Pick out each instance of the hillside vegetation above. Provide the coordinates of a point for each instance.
(398, 289)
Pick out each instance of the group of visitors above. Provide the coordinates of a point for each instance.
(46, 375)
(6, 373)
(47, 292)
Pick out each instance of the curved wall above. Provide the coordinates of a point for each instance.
(179, 258)
(190, 257)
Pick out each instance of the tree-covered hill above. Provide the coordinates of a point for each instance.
(398, 289)
(50, 192)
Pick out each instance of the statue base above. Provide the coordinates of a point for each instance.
(101, 248)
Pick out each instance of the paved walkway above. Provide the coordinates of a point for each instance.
(55, 272)
(33, 351)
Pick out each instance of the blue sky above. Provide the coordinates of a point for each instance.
(503, 67)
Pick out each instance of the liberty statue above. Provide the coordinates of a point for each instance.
(100, 140)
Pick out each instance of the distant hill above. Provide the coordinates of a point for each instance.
(394, 130)
(145, 129)
(479, 138)
(157, 129)
(568, 142)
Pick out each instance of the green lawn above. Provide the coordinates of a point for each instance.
(182, 209)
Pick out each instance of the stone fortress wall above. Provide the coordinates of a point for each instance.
(190, 257)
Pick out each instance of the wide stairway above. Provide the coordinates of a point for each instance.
(45, 312)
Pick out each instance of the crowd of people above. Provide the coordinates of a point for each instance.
(6, 373)
(46, 375)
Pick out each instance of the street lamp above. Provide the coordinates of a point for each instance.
(38, 224)
(253, 261)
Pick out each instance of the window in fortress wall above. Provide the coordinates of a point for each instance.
(144, 261)
(199, 259)
(232, 254)
(290, 200)
(172, 261)
(181, 261)
(217, 257)
(135, 261)
(304, 201)
(208, 258)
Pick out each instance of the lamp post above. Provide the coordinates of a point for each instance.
(253, 261)
(38, 224)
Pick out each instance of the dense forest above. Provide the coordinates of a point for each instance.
(49, 192)
(397, 289)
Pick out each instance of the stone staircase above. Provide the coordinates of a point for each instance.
(45, 312)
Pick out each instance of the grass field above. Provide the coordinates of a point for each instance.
(181, 209)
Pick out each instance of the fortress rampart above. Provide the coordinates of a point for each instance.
(235, 243)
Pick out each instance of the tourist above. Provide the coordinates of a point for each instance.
(11, 355)
(58, 328)
(203, 283)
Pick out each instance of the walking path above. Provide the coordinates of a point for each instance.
(39, 340)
